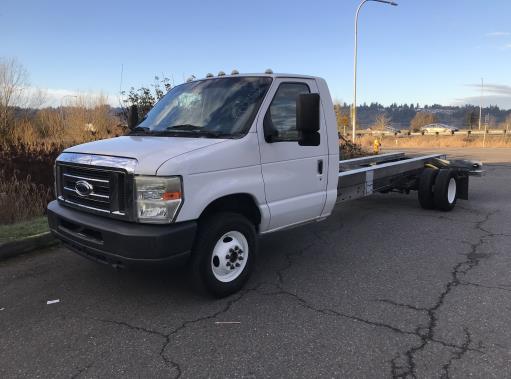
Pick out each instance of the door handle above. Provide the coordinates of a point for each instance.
(320, 166)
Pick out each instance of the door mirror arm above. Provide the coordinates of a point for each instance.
(270, 133)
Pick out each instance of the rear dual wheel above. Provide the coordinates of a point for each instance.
(445, 190)
(438, 189)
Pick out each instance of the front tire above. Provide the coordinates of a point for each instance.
(224, 253)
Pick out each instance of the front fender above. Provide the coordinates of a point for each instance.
(202, 189)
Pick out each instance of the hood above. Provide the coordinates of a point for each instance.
(150, 152)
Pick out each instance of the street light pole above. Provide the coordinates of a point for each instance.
(481, 103)
(354, 106)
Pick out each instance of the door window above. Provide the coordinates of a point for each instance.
(281, 116)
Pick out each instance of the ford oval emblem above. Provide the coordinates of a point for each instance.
(83, 188)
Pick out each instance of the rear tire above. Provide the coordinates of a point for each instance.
(426, 183)
(445, 190)
(224, 253)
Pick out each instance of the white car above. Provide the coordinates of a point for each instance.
(438, 128)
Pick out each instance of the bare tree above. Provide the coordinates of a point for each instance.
(382, 122)
(342, 116)
(422, 119)
(13, 81)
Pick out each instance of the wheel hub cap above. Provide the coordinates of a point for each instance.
(229, 256)
(451, 191)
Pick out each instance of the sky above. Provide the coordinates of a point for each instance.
(424, 52)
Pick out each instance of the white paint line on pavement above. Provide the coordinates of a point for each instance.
(227, 322)
(52, 302)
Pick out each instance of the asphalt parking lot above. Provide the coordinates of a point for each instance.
(380, 289)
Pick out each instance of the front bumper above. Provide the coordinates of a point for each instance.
(121, 243)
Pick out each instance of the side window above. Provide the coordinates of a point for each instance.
(282, 112)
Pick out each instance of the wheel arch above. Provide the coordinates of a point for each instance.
(242, 203)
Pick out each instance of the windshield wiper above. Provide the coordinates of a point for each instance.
(140, 130)
(198, 131)
(184, 127)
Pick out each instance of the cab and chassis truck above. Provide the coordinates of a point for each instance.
(219, 161)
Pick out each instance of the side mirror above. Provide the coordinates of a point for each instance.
(132, 117)
(307, 119)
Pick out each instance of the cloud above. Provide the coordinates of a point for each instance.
(497, 89)
(494, 94)
(56, 97)
(502, 102)
(498, 34)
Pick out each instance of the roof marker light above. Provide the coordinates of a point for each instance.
(269, 71)
(235, 72)
(209, 75)
(221, 73)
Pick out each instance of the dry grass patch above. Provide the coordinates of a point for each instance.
(431, 141)
(21, 199)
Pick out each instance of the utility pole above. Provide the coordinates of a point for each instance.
(354, 106)
(481, 103)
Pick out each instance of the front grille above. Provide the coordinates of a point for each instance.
(108, 188)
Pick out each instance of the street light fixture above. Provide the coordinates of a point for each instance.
(354, 107)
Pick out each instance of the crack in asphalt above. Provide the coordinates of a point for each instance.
(81, 371)
(426, 333)
(403, 305)
(457, 355)
(484, 286)
(168, 336)
(472, 260)
(332, 312)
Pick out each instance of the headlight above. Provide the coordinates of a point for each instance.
(158, 198)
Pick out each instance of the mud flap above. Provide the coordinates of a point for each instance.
(462, 187)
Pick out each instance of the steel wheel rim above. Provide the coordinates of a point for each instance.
(451, 191)
(230, 256)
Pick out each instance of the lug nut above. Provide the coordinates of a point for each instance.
(231, 250)
(227, 256)
(232, 267)
(240, 258)
(228, 264)
(237, 265)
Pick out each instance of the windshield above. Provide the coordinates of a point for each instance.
(214, 108)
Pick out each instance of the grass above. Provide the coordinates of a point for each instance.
(20, 230)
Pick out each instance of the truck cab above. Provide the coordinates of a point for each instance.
(216, 162)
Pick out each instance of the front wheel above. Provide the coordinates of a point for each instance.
(224, 253)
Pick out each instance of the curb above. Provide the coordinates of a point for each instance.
(26, 245)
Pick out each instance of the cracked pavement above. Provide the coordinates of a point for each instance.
(380, 289)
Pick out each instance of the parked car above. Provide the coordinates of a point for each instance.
(438, 128)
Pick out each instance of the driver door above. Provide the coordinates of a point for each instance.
(294, 176)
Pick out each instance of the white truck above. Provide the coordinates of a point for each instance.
(216, 163)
